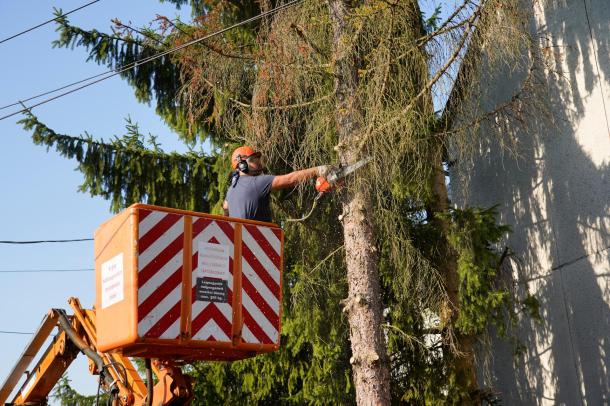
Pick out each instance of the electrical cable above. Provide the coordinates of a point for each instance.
(111, 392)
(114, 364)
(99, 385)
(336, 177)
(53, 91)
(149, 382)
(601, 88)
(111, 73)
(15, 332)
(47, 22)
(44, 241)
(306, 216)
(111, 398)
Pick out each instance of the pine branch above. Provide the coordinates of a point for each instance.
(125, 30)
(159, 78)
(126, 172)
(457, 52)
(104, 48)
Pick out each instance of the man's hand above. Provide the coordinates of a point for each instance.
(323, 170)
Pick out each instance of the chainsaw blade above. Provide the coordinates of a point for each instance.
(344, 171)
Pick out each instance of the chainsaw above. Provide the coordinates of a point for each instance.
(336, 175)
(328, 183)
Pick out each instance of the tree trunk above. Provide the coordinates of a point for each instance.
(370, 364)
(463, 364)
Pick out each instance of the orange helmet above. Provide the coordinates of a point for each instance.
(241, 153)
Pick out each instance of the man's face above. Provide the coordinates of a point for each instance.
(255, 162)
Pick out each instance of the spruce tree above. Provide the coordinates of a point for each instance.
(387, 287)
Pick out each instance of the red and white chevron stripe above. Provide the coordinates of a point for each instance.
(261, 254)
(160, 266)
(160, 260)
(212, 321)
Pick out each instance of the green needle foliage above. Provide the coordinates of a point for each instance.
(67, 396)
(157, 80)
(271, 84)
(126, 172)
(474, 232)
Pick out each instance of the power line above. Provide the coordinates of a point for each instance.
(45, 241)
(52, 91)
(46, 270)
(47, 22)
(14, 332)
(114, 72)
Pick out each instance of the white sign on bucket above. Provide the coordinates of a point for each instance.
(112, 281)
(213, 261)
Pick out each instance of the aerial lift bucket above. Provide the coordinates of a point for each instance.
(185, 285)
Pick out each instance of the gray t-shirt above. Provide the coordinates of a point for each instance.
(248, 197)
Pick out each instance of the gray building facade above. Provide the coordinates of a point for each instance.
(554, 191)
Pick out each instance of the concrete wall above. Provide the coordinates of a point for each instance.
(556, 196)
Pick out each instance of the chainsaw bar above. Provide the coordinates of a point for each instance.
(342, 172)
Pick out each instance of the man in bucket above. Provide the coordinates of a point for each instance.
(248, 196)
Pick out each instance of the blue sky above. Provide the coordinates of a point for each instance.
(39, 198)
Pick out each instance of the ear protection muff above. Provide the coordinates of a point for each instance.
(242, 164)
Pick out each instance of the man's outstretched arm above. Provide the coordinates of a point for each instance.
(294, 178)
